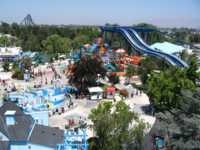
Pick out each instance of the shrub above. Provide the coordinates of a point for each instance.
(6, 66)
(18, 74)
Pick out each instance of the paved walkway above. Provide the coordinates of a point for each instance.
(84, 107)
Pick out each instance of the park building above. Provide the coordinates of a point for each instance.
(19, 131)
(10, 53)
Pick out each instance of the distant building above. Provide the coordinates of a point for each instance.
(10, 53)
(19, 131)
(197, 45)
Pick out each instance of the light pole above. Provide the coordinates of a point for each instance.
(98, 79)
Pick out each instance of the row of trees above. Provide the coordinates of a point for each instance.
(36, 37)
(7, 41)
(186, 35)
(194, 38)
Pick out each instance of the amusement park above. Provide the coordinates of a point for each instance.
(98, 87)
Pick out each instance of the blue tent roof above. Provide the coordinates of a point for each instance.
(167, 47)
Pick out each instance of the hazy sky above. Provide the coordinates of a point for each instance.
(166, 13)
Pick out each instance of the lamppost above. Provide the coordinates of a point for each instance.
(98, 79)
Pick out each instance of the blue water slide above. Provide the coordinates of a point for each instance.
(139, 45)
(140, 49)
(137, 38)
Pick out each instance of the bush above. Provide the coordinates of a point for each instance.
(18, 74)
(113, 79)
(5, 66)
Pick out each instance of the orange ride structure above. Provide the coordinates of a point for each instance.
(126, 59)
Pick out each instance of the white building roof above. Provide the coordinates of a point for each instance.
(10, 50)
(10, 112)
(5, 75)
(95, 90)
(167, 47)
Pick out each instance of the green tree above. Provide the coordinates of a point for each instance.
(80, 41)
(194, 38)
(15, 29)
(18, 74)
(32, 43)
(66, 45)
(6, 66)
(131, 71)
(5, 28)
(182, 124)
(31, 37)
(57, 44)
(4, 41)
(53, 44)
(151, 37)
(115, 129)
(192, 71)
(148, 65)
(164, 88)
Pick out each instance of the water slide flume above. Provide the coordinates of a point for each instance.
(139, 45)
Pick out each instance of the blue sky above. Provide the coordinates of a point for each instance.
(165, 13)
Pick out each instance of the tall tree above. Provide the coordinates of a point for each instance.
(148, 65)
(53, 43)
(130, 71)
(164, 88)
(6, 66)
(85, 73)
(4, 41)
(192, 71)
(57, 44)
(80, 40)
(117, 127)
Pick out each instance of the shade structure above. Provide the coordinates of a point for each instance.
(110, 89)
(120, 50)
(87, 45)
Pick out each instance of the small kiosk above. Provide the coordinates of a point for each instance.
(96, 93)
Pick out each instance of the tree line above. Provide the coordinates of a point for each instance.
(50, 38)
